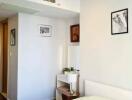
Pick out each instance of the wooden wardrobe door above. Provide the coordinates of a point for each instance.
(5, 57)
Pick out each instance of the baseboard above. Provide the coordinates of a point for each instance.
(54, 98)
(4, 97)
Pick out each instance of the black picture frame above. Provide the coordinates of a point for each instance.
(53, 1)
(45, 30)
(13, 37)
(119, 22)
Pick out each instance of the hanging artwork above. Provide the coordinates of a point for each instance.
(45, 30)
(75, 33)
(53, 1)
(119, 22)
(13, 37)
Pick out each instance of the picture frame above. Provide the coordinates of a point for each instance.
(75, 33)
(13, 37)
(45, 30)
(53, 1)
(119, 22)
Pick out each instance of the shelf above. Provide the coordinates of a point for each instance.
(64, 84)
(62, 4)
(69, 78)
(65, 90)
(37, 8)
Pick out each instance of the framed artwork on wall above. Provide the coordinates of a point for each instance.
(13, 37)
(119, 22)
(45, 30)
(53, 1)
(75, 33)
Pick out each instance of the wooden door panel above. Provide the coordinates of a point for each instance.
(5, 57)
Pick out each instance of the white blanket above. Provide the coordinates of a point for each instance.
(93, 98)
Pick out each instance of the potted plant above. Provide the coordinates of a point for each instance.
(66, 70)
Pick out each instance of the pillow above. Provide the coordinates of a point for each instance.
(93, 98)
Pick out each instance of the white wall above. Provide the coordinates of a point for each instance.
(74, 57)
(40, 58)
(1, 45)
(35, 61)
(73, 48)
(105, 58)
(13, 60)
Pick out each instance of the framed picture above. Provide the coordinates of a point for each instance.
(45, 30)
(119, 22)
(13, 37)
(75, 33)
(53, 1)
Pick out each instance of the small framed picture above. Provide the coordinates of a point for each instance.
(53, 1)
(45, 30)
(119, 22)
(75, 33)
(13, 37)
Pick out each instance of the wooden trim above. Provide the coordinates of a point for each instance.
(5, 56)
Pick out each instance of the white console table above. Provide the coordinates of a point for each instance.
(63, 81)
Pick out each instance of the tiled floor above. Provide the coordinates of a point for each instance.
(1, 97)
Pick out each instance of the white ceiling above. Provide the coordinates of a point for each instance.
(9, 8)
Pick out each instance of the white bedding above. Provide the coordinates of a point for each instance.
(93, 98)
